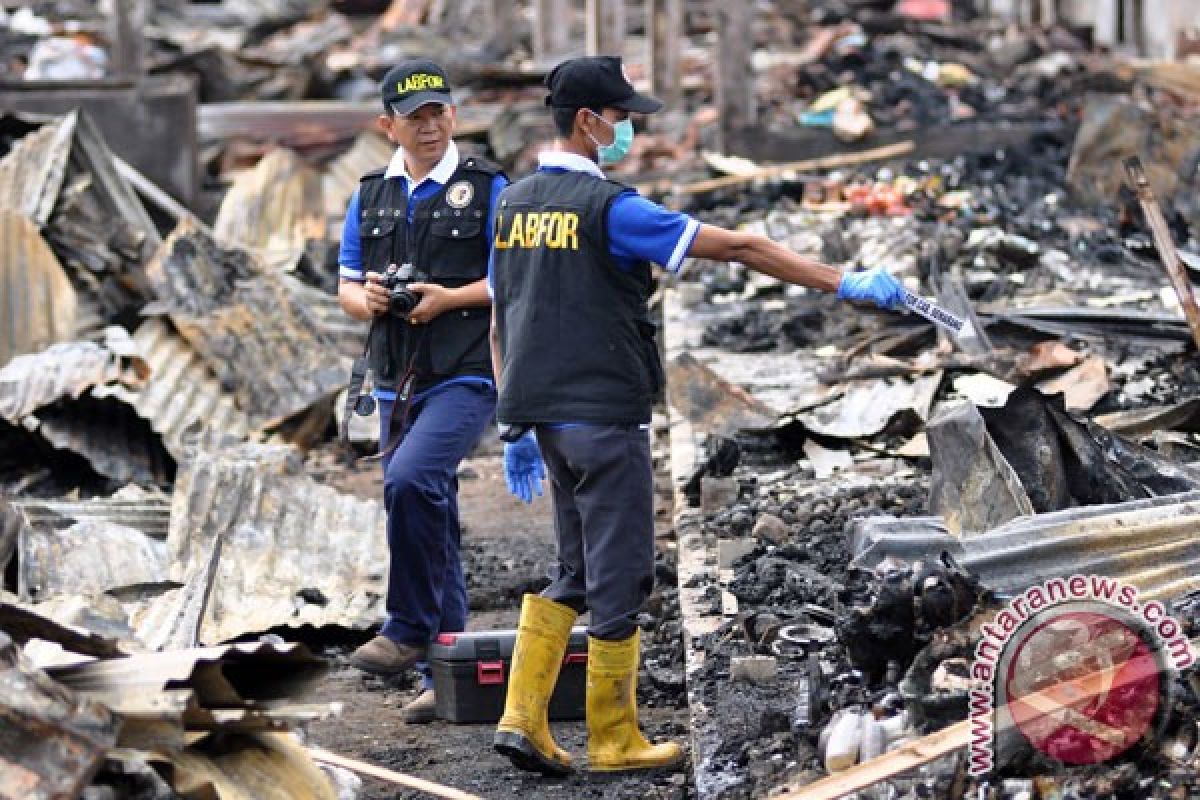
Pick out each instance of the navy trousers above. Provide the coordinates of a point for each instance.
(427, 593)
(602, 484)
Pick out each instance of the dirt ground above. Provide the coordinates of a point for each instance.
(507, 550)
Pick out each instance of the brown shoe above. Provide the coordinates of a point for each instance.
(382, 656)
(421, 710)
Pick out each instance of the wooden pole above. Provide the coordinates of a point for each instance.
(551, 29)
(735, 69)
(664, 38)
(605, 27)
(1165, 244)
(125, 33)
(398, 778)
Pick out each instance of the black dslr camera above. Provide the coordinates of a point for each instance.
(396, 280)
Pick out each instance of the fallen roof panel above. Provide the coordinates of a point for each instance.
(67, 370)
(275, 208)
(148, 512)
(293, 552)
(54, 741)
(250, 331)
(39, 303)
(181, 395)
(110, 435)
(1149, 544)
(88, 557)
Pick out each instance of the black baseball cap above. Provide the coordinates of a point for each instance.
(411, 84)
(596, 82)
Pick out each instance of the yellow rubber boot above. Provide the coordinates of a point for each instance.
(614, 741)
(524, 731)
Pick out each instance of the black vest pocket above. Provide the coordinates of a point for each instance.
(458, 340)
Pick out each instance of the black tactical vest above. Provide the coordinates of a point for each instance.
(574, 330)
(447, 241)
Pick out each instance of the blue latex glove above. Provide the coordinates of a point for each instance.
(876, 285)
(523, 468)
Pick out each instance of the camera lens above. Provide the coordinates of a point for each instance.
(403, 302)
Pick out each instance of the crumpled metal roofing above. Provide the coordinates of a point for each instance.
(54, 741)
(349, 334)
(189, 685)
(275, 208)
(262, 345)
(68, 369)
(114, 440)
(39, 304)
(369, 151)
(1150, 544)
(148, 512)
(88, 557)
(292, 552)
(64, 178)
(181, 396)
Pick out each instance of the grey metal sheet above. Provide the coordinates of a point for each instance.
(88, 557)
(67, 370)
(275, 208)
(54, 741)
(39, 305)
(250, 331)
(1150, 544)
(182, 394)
(293, 552)
(148, 512)
(114, 440)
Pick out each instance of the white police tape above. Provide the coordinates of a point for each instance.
(934, 313)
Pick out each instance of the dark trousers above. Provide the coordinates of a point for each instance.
(427, 593)
(602, 485)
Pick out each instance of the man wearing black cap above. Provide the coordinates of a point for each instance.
(576, 362)
(425, 219)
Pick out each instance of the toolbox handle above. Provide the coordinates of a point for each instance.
(489, 673)
(575, 658)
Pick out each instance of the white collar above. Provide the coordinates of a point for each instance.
(558, 159)
(439, 174)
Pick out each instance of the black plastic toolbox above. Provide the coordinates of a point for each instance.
(470, 675)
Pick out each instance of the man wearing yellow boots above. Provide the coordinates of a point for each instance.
(576, 363)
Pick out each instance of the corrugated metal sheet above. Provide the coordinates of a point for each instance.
(348, 333)
(275, 208)
(293, 552)
(23, 624)
(250, 331)
(39, 304)
(67, 370)
(1150, 544)
(192, 683)
(114, 440)
(181, 395)
(148, 512)
(370, 151)
(63, 177)
(54, 741)
(88, 557)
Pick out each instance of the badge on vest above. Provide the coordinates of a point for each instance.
(459, 195)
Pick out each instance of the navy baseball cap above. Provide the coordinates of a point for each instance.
(411, 84)
(596, 82)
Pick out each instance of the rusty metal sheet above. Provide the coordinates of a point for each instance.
(39, 303)
(276, 208)
(250, 331)
(63, 176)
(67, 370)
(240, 767)
(54, 741)
(293, 552)
(181, 394)
(710, 403)
(348, 333)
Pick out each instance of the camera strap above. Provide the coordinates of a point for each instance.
(403, 402)
(358, 376)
